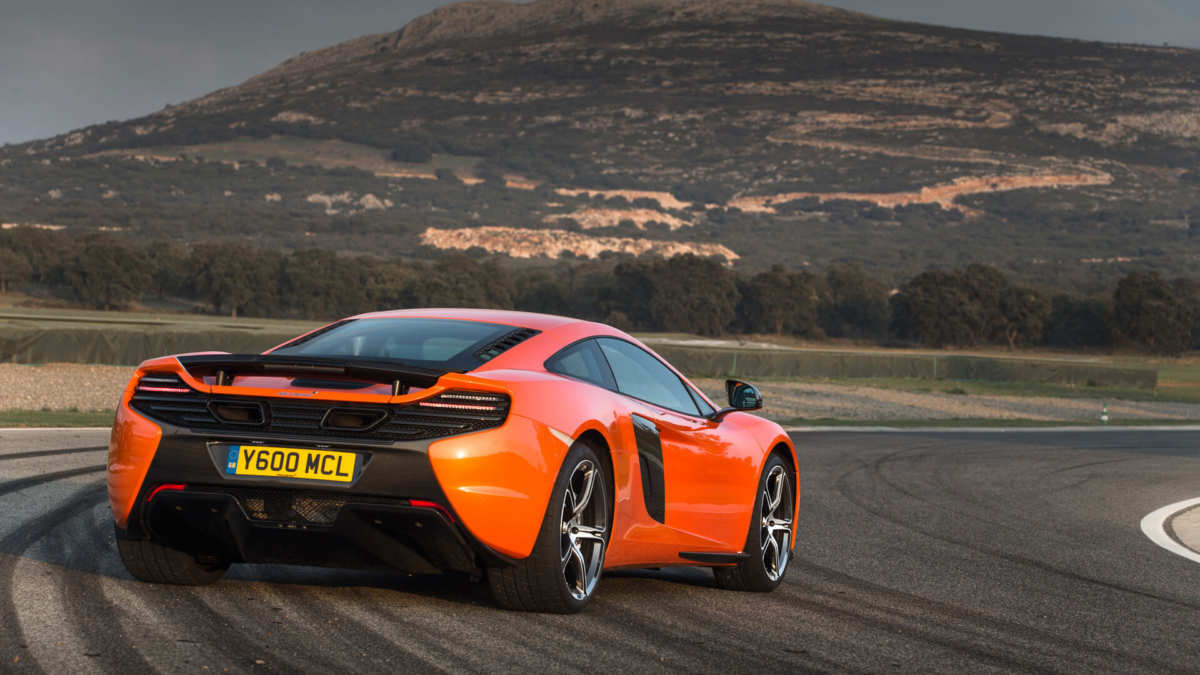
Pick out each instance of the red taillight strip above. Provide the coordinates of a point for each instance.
(166, 486)
(470, 397)
(423, 504)
(165, 390)
(456, 406)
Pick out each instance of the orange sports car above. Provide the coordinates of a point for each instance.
(536, 451)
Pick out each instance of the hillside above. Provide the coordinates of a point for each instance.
(763, 131)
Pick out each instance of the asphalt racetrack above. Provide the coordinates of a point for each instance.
(917, 552)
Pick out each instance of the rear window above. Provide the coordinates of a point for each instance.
(433, 343)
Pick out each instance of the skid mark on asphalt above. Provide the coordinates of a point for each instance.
(833, 612)
(1006, 643)
(688, 626)
(394, 644)
(12, 642)
(319, 613)
(440, 627)
(870, 478)
(4, 457)
(40, 479)
(89, 613)
(880, 622)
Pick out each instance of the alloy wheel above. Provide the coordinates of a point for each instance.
(584, 525)
(775, 530)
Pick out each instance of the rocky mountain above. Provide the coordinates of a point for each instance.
(762, 131)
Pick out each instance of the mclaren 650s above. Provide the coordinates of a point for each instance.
(534, 451)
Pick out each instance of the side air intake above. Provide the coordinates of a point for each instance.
(505, 343)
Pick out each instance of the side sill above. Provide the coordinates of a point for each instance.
(715, 558)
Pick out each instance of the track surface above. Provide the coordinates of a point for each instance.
(940, 552)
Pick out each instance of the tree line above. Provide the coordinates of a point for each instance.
(974, 305)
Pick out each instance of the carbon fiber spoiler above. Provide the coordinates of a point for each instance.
(225, 366)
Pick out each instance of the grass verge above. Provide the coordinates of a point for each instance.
(56, 418)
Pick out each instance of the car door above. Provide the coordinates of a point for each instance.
(689, 474)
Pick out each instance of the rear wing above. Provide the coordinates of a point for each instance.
(223, 367)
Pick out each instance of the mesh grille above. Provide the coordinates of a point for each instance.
(166, 398)
(281, 507)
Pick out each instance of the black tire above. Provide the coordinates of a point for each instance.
(152, 562)
(755, 573)
(544, 581)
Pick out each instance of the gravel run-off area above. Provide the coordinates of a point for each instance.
(86, 387)
(61, 386)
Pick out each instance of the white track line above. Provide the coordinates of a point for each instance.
(1154, 526)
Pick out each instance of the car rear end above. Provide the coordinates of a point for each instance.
(300, 456)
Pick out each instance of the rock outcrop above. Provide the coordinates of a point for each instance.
(526, 243)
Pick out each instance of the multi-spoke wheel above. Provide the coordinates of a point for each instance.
(769, 542)
(584, 527)
(562, 572)
(775, 523)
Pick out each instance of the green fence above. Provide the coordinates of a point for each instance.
(709, 362)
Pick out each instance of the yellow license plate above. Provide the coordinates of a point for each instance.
(262, 460)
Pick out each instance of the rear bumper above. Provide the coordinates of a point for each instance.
(253, 525)
(493, 484)
(393, 514)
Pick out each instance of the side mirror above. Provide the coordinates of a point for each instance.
(742, 396)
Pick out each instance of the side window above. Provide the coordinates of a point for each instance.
(640, 375)
(583, 361)
(705, 408)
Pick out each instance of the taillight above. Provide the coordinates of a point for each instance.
(449, 413)
(162, 383)
(165, 396)
(467, 400)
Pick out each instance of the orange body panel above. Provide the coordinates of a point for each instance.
(131, 448)
(498, 481)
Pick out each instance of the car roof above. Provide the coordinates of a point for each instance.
(541, 322)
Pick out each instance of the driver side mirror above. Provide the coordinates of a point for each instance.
(742, 396)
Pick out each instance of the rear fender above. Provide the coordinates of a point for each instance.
(133, 443)
(499, 481)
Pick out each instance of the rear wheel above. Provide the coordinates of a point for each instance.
(562, 572)
(150, 561)
(768, 544)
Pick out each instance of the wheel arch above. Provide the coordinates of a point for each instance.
(788, 452)
(599, 443)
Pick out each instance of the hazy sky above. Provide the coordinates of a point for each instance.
(65, 64)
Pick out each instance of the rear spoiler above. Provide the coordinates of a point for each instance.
(225, 366)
